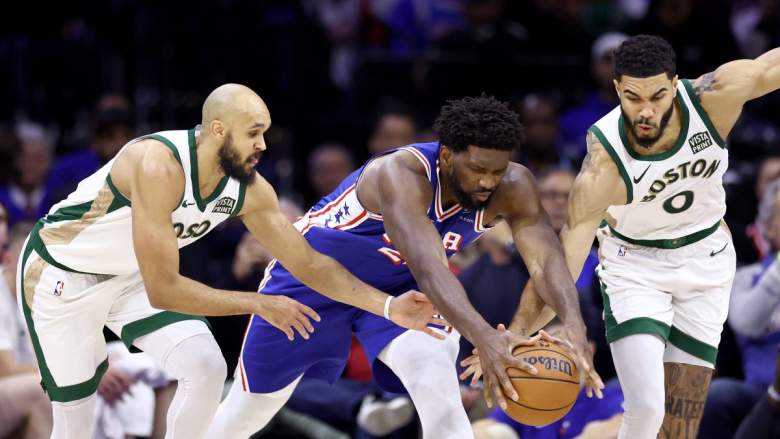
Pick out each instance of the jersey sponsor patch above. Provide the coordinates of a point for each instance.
(700, 141)
(224, 205)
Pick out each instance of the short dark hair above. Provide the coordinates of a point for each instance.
(482, 121)
(642, 56)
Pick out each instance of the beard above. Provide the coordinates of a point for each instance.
(464, 198)
(232, 165)
(647, 142)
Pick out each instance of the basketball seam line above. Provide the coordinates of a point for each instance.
(543, 410)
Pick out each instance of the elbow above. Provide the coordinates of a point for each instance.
(160, 294)
(156, 298)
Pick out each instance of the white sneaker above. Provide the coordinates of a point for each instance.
(383, 417)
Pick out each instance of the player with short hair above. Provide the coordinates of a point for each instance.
(394, 222)
(652, 185)
(108, 255)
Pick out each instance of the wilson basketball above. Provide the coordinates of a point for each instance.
(548, 396)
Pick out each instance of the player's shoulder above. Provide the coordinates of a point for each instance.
(518, 181)
(259, 195)
(151, 158)
(402, 161)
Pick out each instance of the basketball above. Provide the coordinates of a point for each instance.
(548, 396)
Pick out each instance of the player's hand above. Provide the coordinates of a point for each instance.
(287, 315)
(576, 342)
(413, 310)
(474, 367)
(495, 354)
(114, 385)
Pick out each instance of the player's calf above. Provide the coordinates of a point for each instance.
(686, 392)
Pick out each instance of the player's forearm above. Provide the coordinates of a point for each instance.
(450, 299)
(332, 280)
(191, 297)
(532, 314)
(769, 81)
(555, 287)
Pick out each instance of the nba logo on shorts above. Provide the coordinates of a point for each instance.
(622, 251)
(58, 288)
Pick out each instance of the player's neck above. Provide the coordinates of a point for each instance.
(448, 198)
(209, 171)
(667, 139)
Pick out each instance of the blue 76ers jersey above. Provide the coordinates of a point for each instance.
(340, 227)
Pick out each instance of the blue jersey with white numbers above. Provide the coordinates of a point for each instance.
(339, 226)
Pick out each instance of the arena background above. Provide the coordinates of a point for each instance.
(330, 69)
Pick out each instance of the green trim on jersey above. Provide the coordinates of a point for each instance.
(139, 328)
(619, 163)
(703, 113)
(639, 325)
(240, 202)
(120, 200)
(167, 143)
(685, 119)
(68, 213)
(37, 243)
(695, 347)
(55, 392)
(669, 243)
(194, 174)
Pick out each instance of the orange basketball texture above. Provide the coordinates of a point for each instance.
(548, 396)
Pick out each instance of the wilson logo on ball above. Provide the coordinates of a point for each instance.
(550, 363)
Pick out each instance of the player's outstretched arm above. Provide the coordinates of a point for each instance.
(724, 91)
(156, 183)
(274, 232)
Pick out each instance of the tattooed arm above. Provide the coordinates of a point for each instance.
(723, 92)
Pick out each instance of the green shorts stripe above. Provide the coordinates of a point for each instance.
(139, 328)
(695, 347)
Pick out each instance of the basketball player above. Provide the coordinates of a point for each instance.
(108, 255)
(394, 222)
(654, 174)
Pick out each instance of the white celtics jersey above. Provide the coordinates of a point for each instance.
(675, 197)
(91, 230)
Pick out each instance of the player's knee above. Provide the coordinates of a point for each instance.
(198, 360)
(210, 367)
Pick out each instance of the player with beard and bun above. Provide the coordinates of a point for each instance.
(393, 223)
(652, 185)
(108, 255)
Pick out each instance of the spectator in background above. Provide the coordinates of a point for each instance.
(393, 128)
(681, 23)
(112, 129)
(541, 150)
(768, 170)
(754, 316)
(25, 196)
(329, 164)
(25, 411)
(9, 147)
(576, 120)
(763, 421)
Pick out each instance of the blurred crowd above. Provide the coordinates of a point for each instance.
(344, 80)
